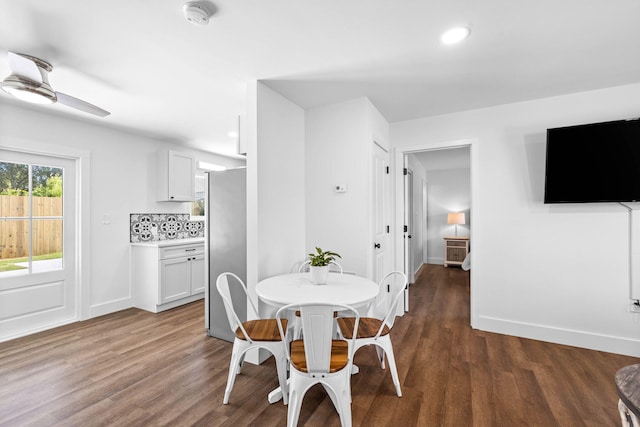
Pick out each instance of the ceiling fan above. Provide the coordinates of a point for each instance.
(29, 82)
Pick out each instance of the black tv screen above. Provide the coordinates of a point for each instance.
(597, 162)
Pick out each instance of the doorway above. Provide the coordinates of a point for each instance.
(447, 173)
(38, 249)
(431, 201)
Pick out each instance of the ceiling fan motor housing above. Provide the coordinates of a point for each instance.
(15, 84)
(23, 87)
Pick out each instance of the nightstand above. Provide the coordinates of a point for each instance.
(455, 250)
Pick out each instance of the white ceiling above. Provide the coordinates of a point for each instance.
(161, 75)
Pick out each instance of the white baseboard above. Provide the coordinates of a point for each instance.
(257, 356)
(110, 307)
(435, 260)
(419, 271)
(609, 344)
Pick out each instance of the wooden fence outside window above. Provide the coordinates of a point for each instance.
(14, 233)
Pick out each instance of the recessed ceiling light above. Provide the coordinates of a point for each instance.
(455, 35)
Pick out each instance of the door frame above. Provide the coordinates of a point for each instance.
(399, 153)
(82, 159)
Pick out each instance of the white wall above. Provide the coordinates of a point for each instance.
(275, 185)
(275, 190)
(122, 181)
(558, 273)
(339, 143)
(448, 190)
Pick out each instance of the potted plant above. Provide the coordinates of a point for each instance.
(319, 268)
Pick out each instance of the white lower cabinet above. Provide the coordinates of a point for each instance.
(165, 275)
(197, 274)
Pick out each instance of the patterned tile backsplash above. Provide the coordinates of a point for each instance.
(153, 227)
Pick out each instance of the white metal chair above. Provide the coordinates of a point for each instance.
(259, 333)
(319, 358)
(628, 418)
(333, 267)
(375, 330)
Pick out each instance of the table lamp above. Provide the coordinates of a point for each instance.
(455, 218)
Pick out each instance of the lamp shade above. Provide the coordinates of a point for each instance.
(455, 218)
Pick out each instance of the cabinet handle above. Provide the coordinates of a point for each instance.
(190, 250)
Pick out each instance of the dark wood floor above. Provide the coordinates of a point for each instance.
(141, 369)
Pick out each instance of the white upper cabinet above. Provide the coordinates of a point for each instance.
(176, 177)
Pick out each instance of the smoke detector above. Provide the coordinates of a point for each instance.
(198, 12)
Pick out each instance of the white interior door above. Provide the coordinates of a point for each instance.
(38, 275)
(381, 210)
(409, 232)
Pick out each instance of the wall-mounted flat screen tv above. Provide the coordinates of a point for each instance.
(598, 162)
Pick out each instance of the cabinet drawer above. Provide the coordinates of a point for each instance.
(456, 255)
(454, 243)
(181, 251)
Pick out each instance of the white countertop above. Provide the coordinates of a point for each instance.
(172, 242)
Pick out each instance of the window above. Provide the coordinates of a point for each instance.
(31, 218)
(202, 175)
(197, 207)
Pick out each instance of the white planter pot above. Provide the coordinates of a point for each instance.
(319, 275)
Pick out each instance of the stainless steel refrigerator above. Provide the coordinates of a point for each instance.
(226, 243)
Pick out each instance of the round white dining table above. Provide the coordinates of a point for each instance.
(278, 291)
(297, 288)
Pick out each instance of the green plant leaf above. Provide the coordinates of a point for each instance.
(322, 258)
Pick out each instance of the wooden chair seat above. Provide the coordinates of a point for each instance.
(261, 330)
(339, 355)
(368, 327)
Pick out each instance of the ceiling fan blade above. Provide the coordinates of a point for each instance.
(24, 67)
(81, 105)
